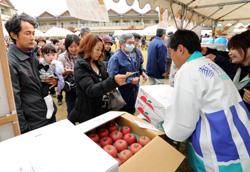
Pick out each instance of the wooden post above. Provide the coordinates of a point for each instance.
(11, 117)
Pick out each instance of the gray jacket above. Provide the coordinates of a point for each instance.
(27, 88)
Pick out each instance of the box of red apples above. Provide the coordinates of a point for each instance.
(135, 148)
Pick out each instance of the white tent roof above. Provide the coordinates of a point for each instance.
(203, 11)
(39, 33)
(57, 32)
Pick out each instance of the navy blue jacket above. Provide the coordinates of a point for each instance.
(157, 56)
(120, 63)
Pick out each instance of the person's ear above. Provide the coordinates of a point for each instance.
(13, 35)
(180, 48)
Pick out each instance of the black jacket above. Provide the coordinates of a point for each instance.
(90, 89)
(223, 60)
(27, 88)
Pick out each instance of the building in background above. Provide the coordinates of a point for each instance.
(130, 20)
(7, 10)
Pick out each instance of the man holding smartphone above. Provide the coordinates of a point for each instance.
(125, 62)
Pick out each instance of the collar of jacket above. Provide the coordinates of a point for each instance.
(21, 55)
(86, 63)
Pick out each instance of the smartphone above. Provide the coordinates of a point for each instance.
(132, 75)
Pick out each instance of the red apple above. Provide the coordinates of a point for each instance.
(120, 145)
(125, 130)
(115, 135)
(111, 123)
(124, 155)
(129, 138)
(111, 150)
(103, 132)
(143, 140)
(135, 147)
(113, 128)
(105, 141)
(94, 137)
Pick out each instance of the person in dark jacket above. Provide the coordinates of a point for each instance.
(124, 61)
(235, 63)
(31, 104)
(107, 52)
(92, 80)
(157, 57)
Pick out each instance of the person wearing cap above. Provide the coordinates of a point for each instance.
(84, 31)
(139, 57)
(107, 48)
(157, 55)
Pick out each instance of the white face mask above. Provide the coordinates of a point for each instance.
(129, 47)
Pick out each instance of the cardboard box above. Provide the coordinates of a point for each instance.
(157, 155)
(58, 147)
(152, 103)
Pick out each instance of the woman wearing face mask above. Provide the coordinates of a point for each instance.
(92, 80)
(124, 62)
(235, 63)
(68, 58)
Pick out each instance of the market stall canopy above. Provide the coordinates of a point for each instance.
(57, 32)
(202, 11)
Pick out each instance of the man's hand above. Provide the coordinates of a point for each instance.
(246, 96)
(135, 80)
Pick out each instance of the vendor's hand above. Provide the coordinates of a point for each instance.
(51, 81)
(203, 50)
(120, 79)
(246, 96)
(135, 80)
(144, 76)
(166, 75)
(211, 56)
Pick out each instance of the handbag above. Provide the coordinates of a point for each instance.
(114, 100)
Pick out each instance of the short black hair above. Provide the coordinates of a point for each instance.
(240, 41)
(187, 38)
(48, 48)
(136, 35)
(70, 38)
(160, 32)
(14, 23)
(54, 41)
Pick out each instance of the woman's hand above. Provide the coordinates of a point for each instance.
(246, 96)
(120, 79)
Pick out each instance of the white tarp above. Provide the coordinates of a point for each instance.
(91, 10)
(39, 33)
(57, 32)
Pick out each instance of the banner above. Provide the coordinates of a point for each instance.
(91, 10)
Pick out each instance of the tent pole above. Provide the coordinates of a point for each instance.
(172, 11)
(213, 29)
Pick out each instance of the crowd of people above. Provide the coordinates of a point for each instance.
(209, 106)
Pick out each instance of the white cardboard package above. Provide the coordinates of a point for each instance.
(152, 103)
(58, 147)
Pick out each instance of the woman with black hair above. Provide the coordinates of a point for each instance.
(235, 63)
(68, 58)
